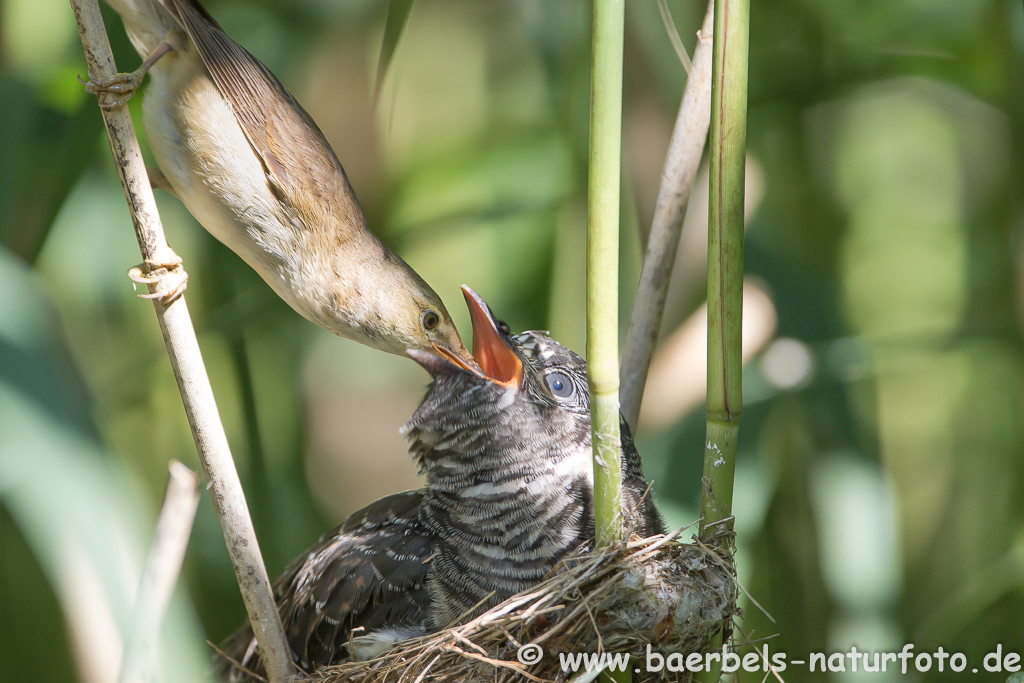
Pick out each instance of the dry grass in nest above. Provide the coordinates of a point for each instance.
(654, 591)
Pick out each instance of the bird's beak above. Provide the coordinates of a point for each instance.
(460, 357)
(492, 358)
(496, 360)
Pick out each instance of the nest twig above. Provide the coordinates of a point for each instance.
(653, 592)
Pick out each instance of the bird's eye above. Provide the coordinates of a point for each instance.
(431, 320)
(503, 327)
(560, 385)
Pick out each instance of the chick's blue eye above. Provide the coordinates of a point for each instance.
(559, 385)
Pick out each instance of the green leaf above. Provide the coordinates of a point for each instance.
(398, 15)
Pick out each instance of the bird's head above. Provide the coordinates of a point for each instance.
(530, 362)
(419, 322)
(526, 389)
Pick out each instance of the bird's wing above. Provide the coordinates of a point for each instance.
(299, 163)
(638, 503)
(369, 572)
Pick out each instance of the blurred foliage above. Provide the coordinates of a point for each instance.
(879, 491)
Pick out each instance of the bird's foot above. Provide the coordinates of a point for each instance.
(124, 85)
(121, 85)
(167, 281)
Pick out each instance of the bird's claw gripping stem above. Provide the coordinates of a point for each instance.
(125, 84)
(168, 280)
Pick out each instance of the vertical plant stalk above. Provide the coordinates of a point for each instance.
(603, 264)
(677, 176)
(725, 276)
(187, 363)
(160, 573)
(725, 259)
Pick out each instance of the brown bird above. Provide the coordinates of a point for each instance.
(509, 493)
(254, 169)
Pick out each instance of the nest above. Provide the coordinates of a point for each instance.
(652, 593)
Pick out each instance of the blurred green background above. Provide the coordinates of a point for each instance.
(879, 488)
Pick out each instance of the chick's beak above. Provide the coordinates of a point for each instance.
(496, 360)
(492, 358)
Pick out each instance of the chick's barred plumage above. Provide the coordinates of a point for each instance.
(509, 478)
(508, 494)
